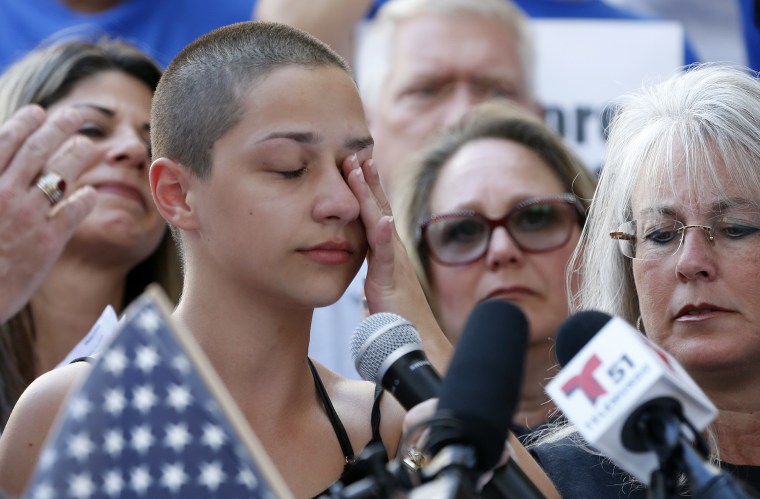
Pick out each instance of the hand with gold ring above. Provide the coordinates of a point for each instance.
(39, 156)
(52, 185)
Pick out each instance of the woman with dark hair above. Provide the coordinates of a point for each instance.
(122, 245)
(493, 210)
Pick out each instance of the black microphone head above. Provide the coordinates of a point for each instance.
(576, 331)
(482, 385)
(376, 338)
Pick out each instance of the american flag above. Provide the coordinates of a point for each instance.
(152, 420)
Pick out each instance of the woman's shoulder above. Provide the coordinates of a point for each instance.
(46, 394)
(579, 471)
(356, 402)
(31, 420)
(39, 404)
(354, 399)
(342, 388)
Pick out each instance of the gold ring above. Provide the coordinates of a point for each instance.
(52, 185)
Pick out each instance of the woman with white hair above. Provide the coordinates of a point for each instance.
(672, 244)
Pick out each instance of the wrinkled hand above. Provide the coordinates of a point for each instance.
(392, 284)
(32, 232)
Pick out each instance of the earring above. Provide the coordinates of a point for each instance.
(638, 325)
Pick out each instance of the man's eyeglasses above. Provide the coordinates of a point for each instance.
(659, 238)
(536, 225)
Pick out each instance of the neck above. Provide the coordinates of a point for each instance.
(247, 338)
(535, 406)
(738, 437)
(69, 302)
(737, 428)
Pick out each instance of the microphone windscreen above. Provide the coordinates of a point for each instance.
(576, 331)
(376, 338)
(482, 384)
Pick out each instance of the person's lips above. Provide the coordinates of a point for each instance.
(329, 253)
(122, 189)
(700, 311)
(509, 293)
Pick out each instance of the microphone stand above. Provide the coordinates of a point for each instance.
(657, 426)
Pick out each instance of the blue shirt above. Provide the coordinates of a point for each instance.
(161, 28)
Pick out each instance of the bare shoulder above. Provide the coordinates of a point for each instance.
(353, 401)
(30, 422)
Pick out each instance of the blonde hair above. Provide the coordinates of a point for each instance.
(706, 116)
(695, 122)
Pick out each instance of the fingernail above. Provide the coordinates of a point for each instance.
(359, 173)
(354, 161)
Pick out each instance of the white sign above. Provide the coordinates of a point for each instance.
(582, 65)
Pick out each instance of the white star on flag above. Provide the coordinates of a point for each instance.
(179, 397)
(149, 321)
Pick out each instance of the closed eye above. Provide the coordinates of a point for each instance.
(294, 173)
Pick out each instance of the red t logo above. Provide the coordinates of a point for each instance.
(585, 381)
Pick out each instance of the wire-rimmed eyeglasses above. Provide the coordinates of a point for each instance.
(536, 225)
(660, 238)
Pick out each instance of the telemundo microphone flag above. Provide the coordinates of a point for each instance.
(152, 419)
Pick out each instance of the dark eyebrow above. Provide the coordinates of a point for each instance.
(109, 113)
(103, 110)
(309, 138)
(356, 145)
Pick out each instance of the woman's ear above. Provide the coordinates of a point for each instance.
(170, 184)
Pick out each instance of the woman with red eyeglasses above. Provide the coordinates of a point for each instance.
(494, 210)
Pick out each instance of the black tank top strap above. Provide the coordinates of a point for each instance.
(351, 472)
(88, 359)
(375, 417)
(340, 431)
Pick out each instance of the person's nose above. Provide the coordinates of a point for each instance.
(696, 257)
(502, 250)
(461, 99)
(128, 149)
(336, 203)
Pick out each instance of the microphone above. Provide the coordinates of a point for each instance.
(633, 401)
(482, 385)
(387, 350)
